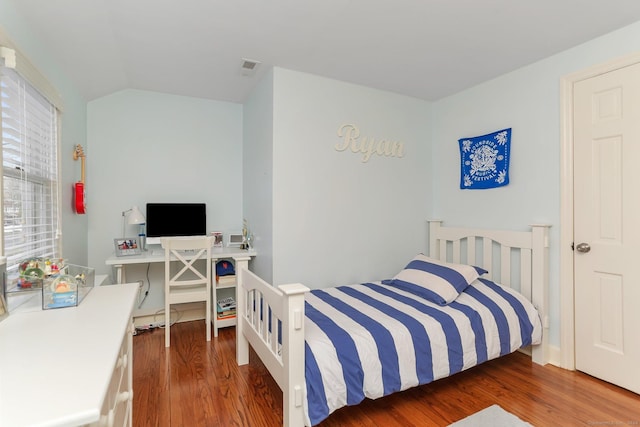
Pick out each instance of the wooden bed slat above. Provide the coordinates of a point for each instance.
(471, 250)
(456, 251)
(273, 334)
(505, 267)
(525, 273)
(487, 256)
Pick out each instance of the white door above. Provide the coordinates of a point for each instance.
(607, 226)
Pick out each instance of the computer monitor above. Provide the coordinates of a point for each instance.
(175, 219)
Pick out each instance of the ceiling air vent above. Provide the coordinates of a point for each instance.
(249, 67)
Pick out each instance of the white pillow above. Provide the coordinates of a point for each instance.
(438, 281)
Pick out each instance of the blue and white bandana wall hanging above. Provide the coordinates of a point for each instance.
(485, 160)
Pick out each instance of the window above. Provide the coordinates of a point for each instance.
(30, 171)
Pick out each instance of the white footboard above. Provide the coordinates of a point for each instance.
(262, 311)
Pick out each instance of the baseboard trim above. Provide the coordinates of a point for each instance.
(555, 356)
(185, 313)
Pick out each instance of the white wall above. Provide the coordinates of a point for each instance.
(153, 147)
(527, 100)
(337, 219)
(257, 168)
(74, 122)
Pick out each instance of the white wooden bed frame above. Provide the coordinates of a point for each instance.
(506, 255)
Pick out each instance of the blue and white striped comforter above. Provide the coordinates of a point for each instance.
(371, 340)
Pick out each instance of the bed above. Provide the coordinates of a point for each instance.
(478, 295)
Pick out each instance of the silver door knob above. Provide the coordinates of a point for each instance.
(583, 247)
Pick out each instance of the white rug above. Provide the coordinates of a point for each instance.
(493, 416)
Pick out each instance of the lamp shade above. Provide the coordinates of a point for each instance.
(136, 217)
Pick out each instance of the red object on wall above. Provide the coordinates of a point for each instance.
(80, 203)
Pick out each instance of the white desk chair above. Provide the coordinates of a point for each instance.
(182, 287)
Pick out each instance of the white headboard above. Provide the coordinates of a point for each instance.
(517, 259)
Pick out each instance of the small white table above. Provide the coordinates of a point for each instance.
(58, 367)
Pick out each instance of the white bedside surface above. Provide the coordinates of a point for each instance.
(55, 365)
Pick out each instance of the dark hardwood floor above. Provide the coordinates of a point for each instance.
(195, 383)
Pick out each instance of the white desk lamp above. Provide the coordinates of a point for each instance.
(135, 218)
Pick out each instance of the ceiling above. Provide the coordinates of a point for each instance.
(426, 49)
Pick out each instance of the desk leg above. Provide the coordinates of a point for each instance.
(120, 275)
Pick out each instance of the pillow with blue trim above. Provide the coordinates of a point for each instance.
(437, 281)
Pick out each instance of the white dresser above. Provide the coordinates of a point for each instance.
(69, 366)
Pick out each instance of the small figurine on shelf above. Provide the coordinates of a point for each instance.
(30, 275)
(80, 278)
(32, 272)
(247, 236)
(55, 266)
(62, 287)
(63, 292)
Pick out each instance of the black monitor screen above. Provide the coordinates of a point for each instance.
(176, 219)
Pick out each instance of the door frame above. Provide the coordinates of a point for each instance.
(567, 278)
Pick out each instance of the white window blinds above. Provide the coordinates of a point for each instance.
(30, 171)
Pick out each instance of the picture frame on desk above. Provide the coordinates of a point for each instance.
(217, 241)
(127, 246)
(236, 240)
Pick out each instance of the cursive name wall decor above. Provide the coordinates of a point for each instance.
(351, 138)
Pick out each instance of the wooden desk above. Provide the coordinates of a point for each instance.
(69, 366)
(147, 257)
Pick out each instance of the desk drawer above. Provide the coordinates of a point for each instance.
(116, 408)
